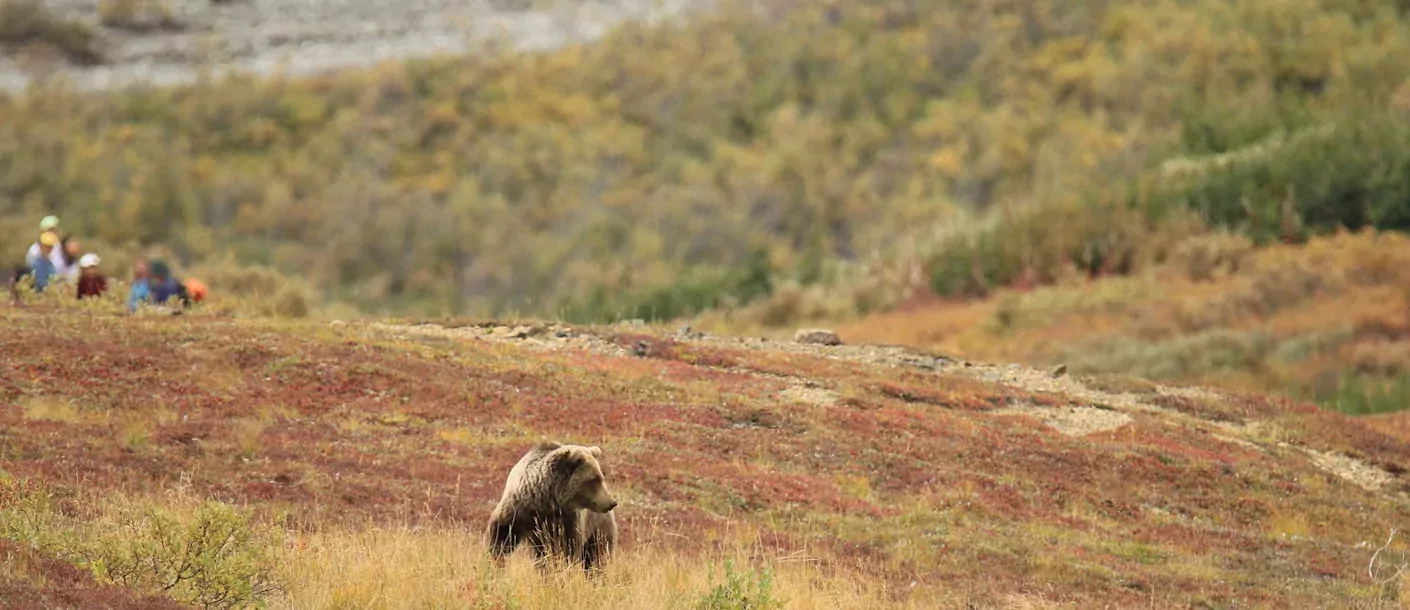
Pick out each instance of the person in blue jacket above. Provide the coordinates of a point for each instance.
(41, 268)
(140, 291)
(164, 287)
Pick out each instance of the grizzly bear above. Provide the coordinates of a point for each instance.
(556, 499)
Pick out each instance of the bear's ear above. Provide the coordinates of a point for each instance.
(595, 451)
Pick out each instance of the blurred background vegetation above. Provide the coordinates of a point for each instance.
(770, 164)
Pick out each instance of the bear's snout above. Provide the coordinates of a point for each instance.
(604, 502)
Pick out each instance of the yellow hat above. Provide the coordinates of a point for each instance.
(48, 238)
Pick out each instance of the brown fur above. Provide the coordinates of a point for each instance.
(555, 499)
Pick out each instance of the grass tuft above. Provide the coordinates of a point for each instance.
(48, 408)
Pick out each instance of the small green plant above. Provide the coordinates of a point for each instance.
(1006, 314)
(247, 436)
(135, 435)
(25, 515)
(746, 590)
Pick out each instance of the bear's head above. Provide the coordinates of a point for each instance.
(581, 483)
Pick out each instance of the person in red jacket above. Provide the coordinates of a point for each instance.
(91, 282)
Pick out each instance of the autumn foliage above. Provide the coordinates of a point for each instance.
(710, 163)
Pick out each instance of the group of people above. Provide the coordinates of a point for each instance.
(53, 260)
(153, 282)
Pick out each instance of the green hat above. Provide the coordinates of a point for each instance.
(159, 269)
(49, 223)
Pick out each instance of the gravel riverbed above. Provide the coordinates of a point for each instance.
(300, 37)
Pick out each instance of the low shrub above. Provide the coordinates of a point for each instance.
(1043, 243)
(1349, 170)
(26, 23)
(693, 291)
(137, 15)
(208, 555)
(1368, 395)
(1185, 357)
(1205, 257)
(255, 289)
(212, 558)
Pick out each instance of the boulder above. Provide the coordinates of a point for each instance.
(817, 336)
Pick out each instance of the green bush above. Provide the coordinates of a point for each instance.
(1043, 242)
(1350, 170)
(210, 557)
(748, 590)
(1367, 395)
(1283, 176)
(693, 291)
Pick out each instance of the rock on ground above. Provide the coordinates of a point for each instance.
(817, 336)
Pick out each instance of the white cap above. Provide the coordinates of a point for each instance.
(89, 260)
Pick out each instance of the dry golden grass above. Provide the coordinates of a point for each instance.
(439, 566)
(46, 408)
(1393, 424)
(410, 568)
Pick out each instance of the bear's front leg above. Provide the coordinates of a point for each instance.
(502, 537)
(554, 539)
(595, 552)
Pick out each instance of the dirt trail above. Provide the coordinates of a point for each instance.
(299, 37)
(1091, 410)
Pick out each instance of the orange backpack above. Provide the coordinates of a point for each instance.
(196, 289)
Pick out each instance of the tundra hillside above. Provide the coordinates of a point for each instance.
(1324, 321)
(873, 147)
(215, 462)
